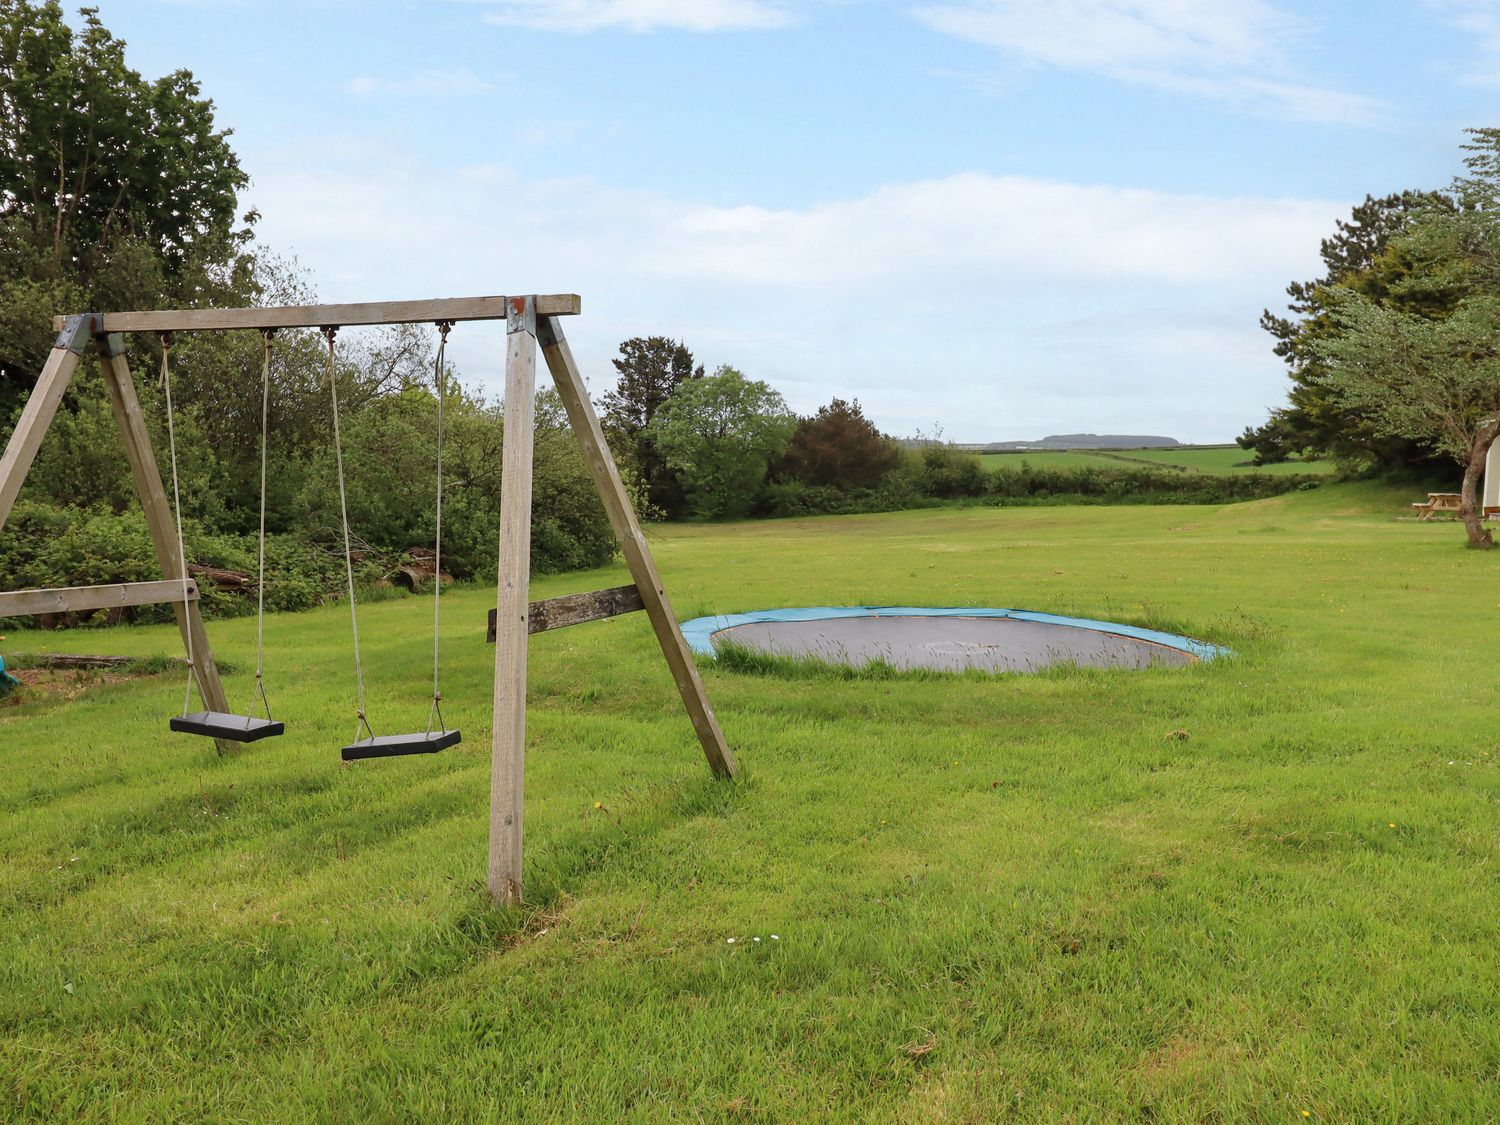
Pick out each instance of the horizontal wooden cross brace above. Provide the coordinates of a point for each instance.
(78, 599)
(320, 316)
(575, 609)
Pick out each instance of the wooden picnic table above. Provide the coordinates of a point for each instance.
(1437, 502)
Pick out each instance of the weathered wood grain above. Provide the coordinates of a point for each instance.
(80, 599)
(575, 609)
(41, 408)
(317, 316)
(508, 732)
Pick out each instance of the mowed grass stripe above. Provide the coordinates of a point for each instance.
(1071, 896)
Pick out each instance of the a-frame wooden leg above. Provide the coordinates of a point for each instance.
(508, 746)
(40, 409)
(633, 544)
(142, 458)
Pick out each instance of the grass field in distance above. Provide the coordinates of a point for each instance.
(1196, 458)
(1260, 889)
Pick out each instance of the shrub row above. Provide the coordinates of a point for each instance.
(929, 477)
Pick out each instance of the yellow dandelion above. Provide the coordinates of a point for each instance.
(1393, 824)
(600, 805)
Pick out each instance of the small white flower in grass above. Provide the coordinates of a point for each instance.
(729, 941)
(775, 937)
(755, 939)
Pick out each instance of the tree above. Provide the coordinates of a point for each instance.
(719, 434)
(1425, 364)
(115, 192)
(838, 446)
(1313, 421)
(649, 371)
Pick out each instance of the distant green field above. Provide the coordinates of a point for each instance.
(1200, 458)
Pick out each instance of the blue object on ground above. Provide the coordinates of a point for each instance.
(6, 679)
(700, 631)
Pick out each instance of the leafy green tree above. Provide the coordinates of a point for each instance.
(648, 370)
(838, 446)
(1314, 422)
(1425, 362)
(719, 434)
(115, 191)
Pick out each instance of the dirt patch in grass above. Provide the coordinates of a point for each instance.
(63, 685)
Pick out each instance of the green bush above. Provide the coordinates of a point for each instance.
(948, 473)
(48, 546)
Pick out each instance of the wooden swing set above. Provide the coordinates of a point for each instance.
(530, 321)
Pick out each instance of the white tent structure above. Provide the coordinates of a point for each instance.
(1492, 477)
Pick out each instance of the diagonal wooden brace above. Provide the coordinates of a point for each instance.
(633, 544)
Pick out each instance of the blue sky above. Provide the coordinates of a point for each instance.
(1002, 218)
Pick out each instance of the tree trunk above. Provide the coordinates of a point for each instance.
(1468, 504)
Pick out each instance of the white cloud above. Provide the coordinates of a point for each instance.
(430, 83)
(997, 306)
(1230, 50)
(975, 225)
(580, 16)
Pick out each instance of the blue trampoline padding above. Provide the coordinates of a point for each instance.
(6, 679)
(700, 630)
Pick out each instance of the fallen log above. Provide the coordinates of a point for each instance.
(22, 661)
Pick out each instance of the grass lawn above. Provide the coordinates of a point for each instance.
(1262, 889)
(1203, 459)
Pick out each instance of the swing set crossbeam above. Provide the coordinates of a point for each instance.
(451, 309)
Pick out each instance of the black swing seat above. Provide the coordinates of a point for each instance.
(235, 728)
(393, 745)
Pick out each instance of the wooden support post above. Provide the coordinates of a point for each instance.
(40, 409)
(508, 747)
(633, 544)
(159, 521)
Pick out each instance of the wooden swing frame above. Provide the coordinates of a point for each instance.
(531, 321)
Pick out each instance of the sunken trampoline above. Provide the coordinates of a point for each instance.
(949, 640)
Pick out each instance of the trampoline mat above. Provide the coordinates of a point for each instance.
(950, 644)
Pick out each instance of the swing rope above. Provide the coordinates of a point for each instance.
(260, 595)
(187, 628)
(440, 379)
(338, 452)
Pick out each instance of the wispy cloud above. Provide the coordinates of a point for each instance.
(579, 16)
(1236, 51)
(428, 83)
(1481, 18)
(1052, 303)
